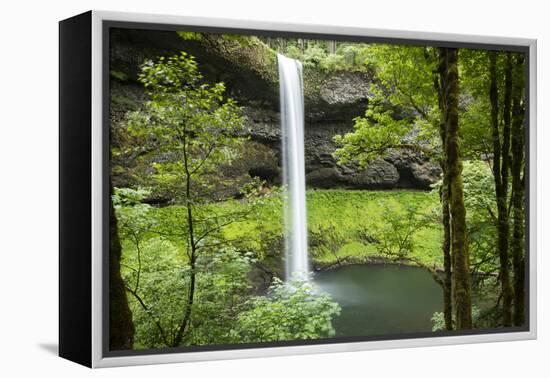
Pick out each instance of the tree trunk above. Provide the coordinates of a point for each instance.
(301, 44)
(501, 152)
(518, 243)
(192, 247)
(121, 328)
(447, 262)
(331, 47)
(444, 199)
(445, 216)
(281, 45)
(189, 305)
(448, 70)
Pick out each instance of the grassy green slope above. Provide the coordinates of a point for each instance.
(346, 220)
(347, 215)
(357, 213)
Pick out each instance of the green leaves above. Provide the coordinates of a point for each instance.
(190, 36)
(397, 234)
(406, 77)
(373, 136)
(129, 196)
(167, 75)
(438, 319)
(187, 131)
(404, 110)
(290, 311)
(187, 136)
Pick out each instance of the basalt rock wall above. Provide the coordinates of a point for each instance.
(332, 101)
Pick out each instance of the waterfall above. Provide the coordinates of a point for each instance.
(294, 180)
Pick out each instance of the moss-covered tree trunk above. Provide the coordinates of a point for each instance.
(448, 70)
(445, 213)
(518, 192)
(501, 158)
(121, 327)
(447, 262)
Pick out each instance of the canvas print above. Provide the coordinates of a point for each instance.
(275, 189)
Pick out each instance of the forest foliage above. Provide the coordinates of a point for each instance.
(205, 267)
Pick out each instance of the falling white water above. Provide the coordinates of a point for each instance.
(294, 180)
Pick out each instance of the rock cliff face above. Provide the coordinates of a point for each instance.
(332, 101)
(403, 169)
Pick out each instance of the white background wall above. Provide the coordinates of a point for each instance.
(28, 185)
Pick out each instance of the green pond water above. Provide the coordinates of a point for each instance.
(381, 299)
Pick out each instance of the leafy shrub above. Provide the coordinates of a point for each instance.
(313, 56)
(348, 57)
(332, 62)
(480, 203)
(158, 282)
(326, 240)
(438, 319)
(291, 311)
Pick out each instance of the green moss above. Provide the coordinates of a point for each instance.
(123, 102)
(346, 218)
(354, 216)
(248, 52)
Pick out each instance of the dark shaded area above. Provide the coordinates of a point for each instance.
(121, 327)
(75, 215)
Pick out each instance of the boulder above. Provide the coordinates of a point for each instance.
(379, 174)
(325, 178)
(416, 170)
(346, 88)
